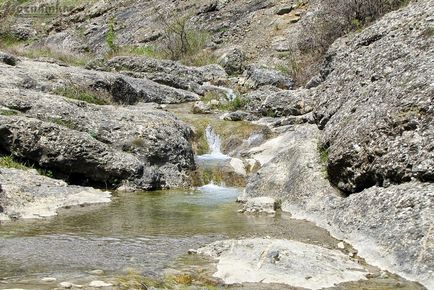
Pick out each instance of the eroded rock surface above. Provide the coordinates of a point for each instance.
(376, 105)
(86, 143)
(281, 261)
(36, 196)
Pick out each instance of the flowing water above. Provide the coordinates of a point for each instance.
(150, 232)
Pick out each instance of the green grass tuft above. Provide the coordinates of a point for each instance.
(83, 94)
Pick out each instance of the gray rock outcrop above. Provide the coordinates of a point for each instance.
(374, 107)
(44, 76)
(256, 76)
(376, 104)
(272, 102)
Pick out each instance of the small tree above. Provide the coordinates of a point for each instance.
(180, 40)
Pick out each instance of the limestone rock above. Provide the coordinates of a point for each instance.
(281, 261)
(376, 104)
(263, 204)
(233, 61)
(201, 108)
(278, 103)
(257, 76)
(36, 196)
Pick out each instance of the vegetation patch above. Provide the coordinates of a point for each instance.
(236, 104)
(182, 41)
(14, 163)
(84, 94)
(8, 112)
(11, 162)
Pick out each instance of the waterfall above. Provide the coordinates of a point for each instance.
(214, 144)
(213, 141)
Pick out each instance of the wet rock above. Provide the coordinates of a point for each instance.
(281, 261)
(256, 76)
(36, 196)
(233, 61)
(263, 204)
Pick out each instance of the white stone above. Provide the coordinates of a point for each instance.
(238, 166)
(97, 272)
(48, 279)
(341, 245)
(99, 284)
(66, 285)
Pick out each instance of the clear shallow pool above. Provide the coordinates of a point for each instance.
(145, 231)
(149, 232)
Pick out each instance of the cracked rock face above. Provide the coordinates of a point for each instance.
(376, 105)
(140, 143)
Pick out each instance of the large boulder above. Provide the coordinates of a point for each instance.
(272, 102)
(155, 139)
(67, 151)
(376, 115)
(233, 61)
(376, 104)
(257, 76)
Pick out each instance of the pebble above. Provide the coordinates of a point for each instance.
(99, 284)
(192, 251)
(97, 272)
(66, 285)
(48, 279)
(341, 245)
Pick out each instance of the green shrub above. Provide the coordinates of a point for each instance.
(236, 104)
(110, 37)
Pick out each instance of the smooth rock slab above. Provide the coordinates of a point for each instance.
(281, 261)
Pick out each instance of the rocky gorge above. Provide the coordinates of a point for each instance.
(135, 158)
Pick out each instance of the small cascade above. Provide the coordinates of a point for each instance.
(214, 142)
(214, 145)
(230, 94)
